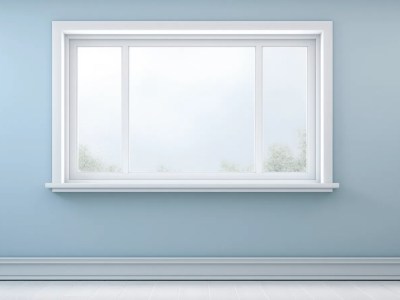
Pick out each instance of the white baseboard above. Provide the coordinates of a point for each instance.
(234, 268)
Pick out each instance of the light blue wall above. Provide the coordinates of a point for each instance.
(362, 218)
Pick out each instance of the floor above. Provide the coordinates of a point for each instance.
(218, 290)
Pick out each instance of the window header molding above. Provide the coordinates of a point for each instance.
(65, 31)
(191, 27)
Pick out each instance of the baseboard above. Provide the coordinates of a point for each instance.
(200, 268)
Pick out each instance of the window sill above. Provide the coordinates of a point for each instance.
(192, 186)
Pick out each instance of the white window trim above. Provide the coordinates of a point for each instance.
(65, 31)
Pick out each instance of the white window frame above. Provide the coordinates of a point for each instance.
(317, 36)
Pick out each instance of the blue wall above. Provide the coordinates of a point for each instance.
(362, 218)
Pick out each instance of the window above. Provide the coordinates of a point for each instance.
(192, 106)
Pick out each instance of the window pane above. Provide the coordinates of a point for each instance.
(192, 109)
(285, 109)
(99, 109)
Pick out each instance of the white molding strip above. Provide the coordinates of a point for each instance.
(193, 186)
(200, 268)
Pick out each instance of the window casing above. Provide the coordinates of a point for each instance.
(256, 42)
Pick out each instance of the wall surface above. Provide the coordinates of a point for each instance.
(362, 218)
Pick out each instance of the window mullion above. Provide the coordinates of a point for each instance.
(125, 109)
(259, 112)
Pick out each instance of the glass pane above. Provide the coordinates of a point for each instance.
(285, 109)
(99, 109)
(192, 109)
